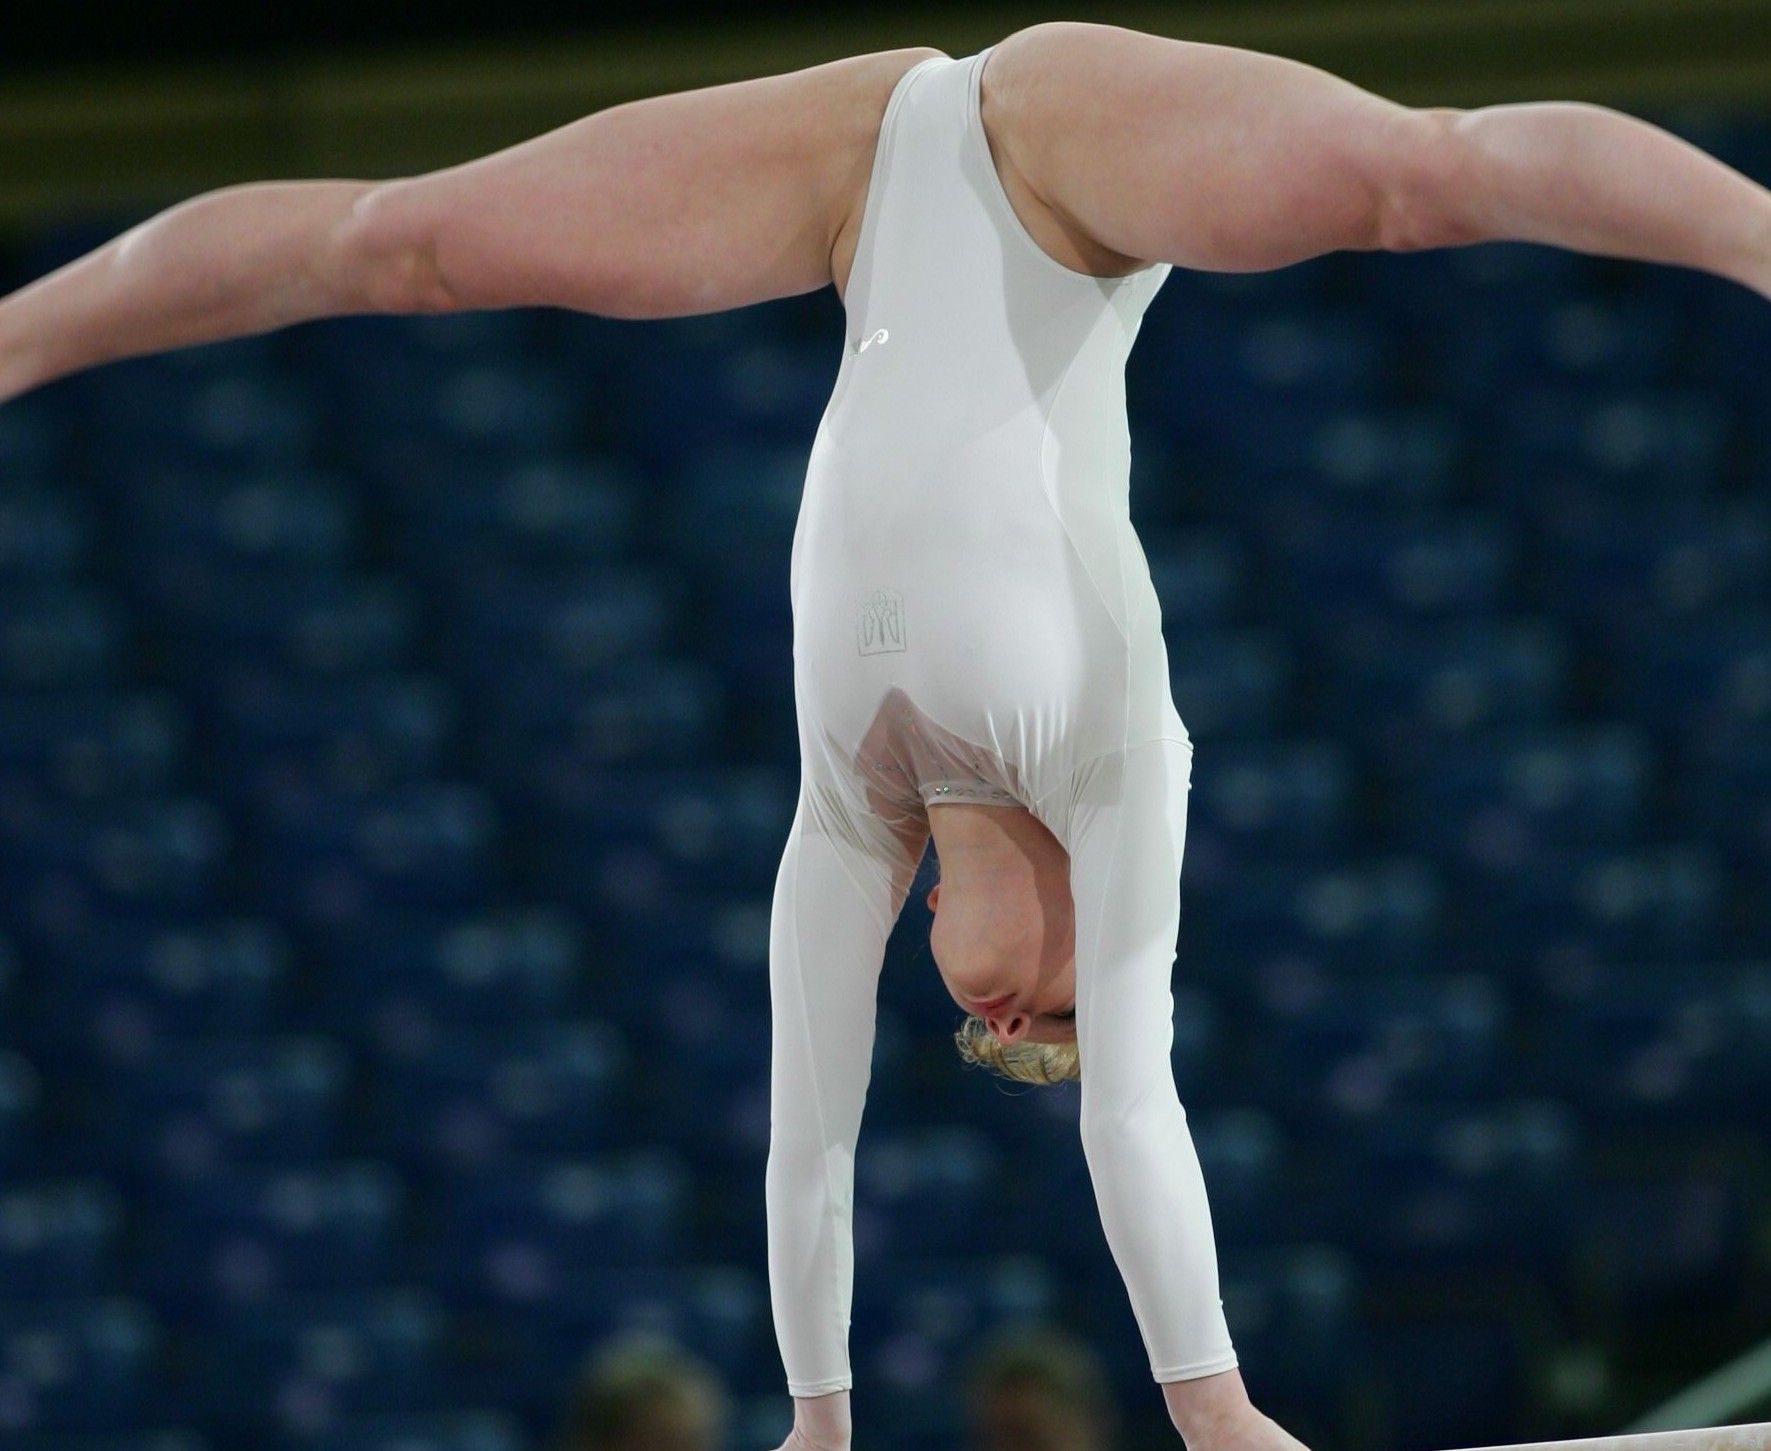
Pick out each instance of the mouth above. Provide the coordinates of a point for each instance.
(993, 1004)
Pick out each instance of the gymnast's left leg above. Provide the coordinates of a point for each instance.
(1231, 160)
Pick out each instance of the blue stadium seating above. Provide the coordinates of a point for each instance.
(142, 1441)
(1500, 801)
(73, 1363)
(194, 1105)
(59, 1237)
(454, 1431)
(468, 1098)
(525, 1233)
(128, 990)
(89, 743)
(303, 1364)
(20, 1089)
(396, 748)
(233, 1237)
(43, 535)
(914, 1317)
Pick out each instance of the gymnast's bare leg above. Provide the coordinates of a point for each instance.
(698, 201)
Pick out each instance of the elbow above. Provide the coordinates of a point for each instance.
(382, 255)
(1109, 1125)
(1431, 187)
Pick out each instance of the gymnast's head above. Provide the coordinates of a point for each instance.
(1004, 940)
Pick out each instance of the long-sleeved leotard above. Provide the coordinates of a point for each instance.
(974, 620)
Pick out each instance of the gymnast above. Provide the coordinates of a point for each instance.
(978, 655)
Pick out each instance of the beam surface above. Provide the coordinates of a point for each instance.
(1716, 1438)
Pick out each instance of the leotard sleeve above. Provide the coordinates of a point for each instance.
(1124, 825)
(843, 878)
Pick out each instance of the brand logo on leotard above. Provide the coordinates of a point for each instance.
(879, 337)
(881, 626)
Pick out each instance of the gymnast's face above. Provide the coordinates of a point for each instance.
(1004, 934)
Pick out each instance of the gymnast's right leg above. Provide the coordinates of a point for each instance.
(690, 202)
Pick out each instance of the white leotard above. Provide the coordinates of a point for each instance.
(974, 620)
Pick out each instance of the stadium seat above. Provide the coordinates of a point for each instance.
(121, 991)
(527, 1231)
(720, 1313)
(1351, 1049)
(1233, 683)
(399, 978)
(1460, 1188)
(1499, 801)
(87, 743)
(1654, 1044)
(228, 1240)
(43, 534)
(915, 1318)
(1265, 800)
(56, 632)
(469, 1098)
(1402, 685)
(20, 1089)
(1370, 916)
(1200, 575)
(1495, 1351)
(448, 1431)
(192, 1106)
(1328, 565)
(296, 1367)
(57, 1238)
(926, 1191)
(76, 1364)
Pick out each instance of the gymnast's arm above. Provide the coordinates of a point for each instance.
(841, 884)
(671, 205)
(1230, 160)
(1125, 832)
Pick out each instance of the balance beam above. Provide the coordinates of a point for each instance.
(1716, 1438)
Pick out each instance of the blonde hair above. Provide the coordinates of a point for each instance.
(1041, 1064)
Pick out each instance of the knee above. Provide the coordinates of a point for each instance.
(385, 249)
(1431, 168)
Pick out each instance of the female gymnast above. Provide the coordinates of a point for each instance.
(977, 644)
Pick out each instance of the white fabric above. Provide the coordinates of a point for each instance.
(974, 620)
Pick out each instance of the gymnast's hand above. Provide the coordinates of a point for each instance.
(1213, 1413)
(796, 1442)
(821, 1423)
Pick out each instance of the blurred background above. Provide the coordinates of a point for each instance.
(396, 748)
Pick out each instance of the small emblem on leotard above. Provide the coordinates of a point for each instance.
(879, 337)
(881, 626)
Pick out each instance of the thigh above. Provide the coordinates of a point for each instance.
(1205, 156)
(670, 205)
